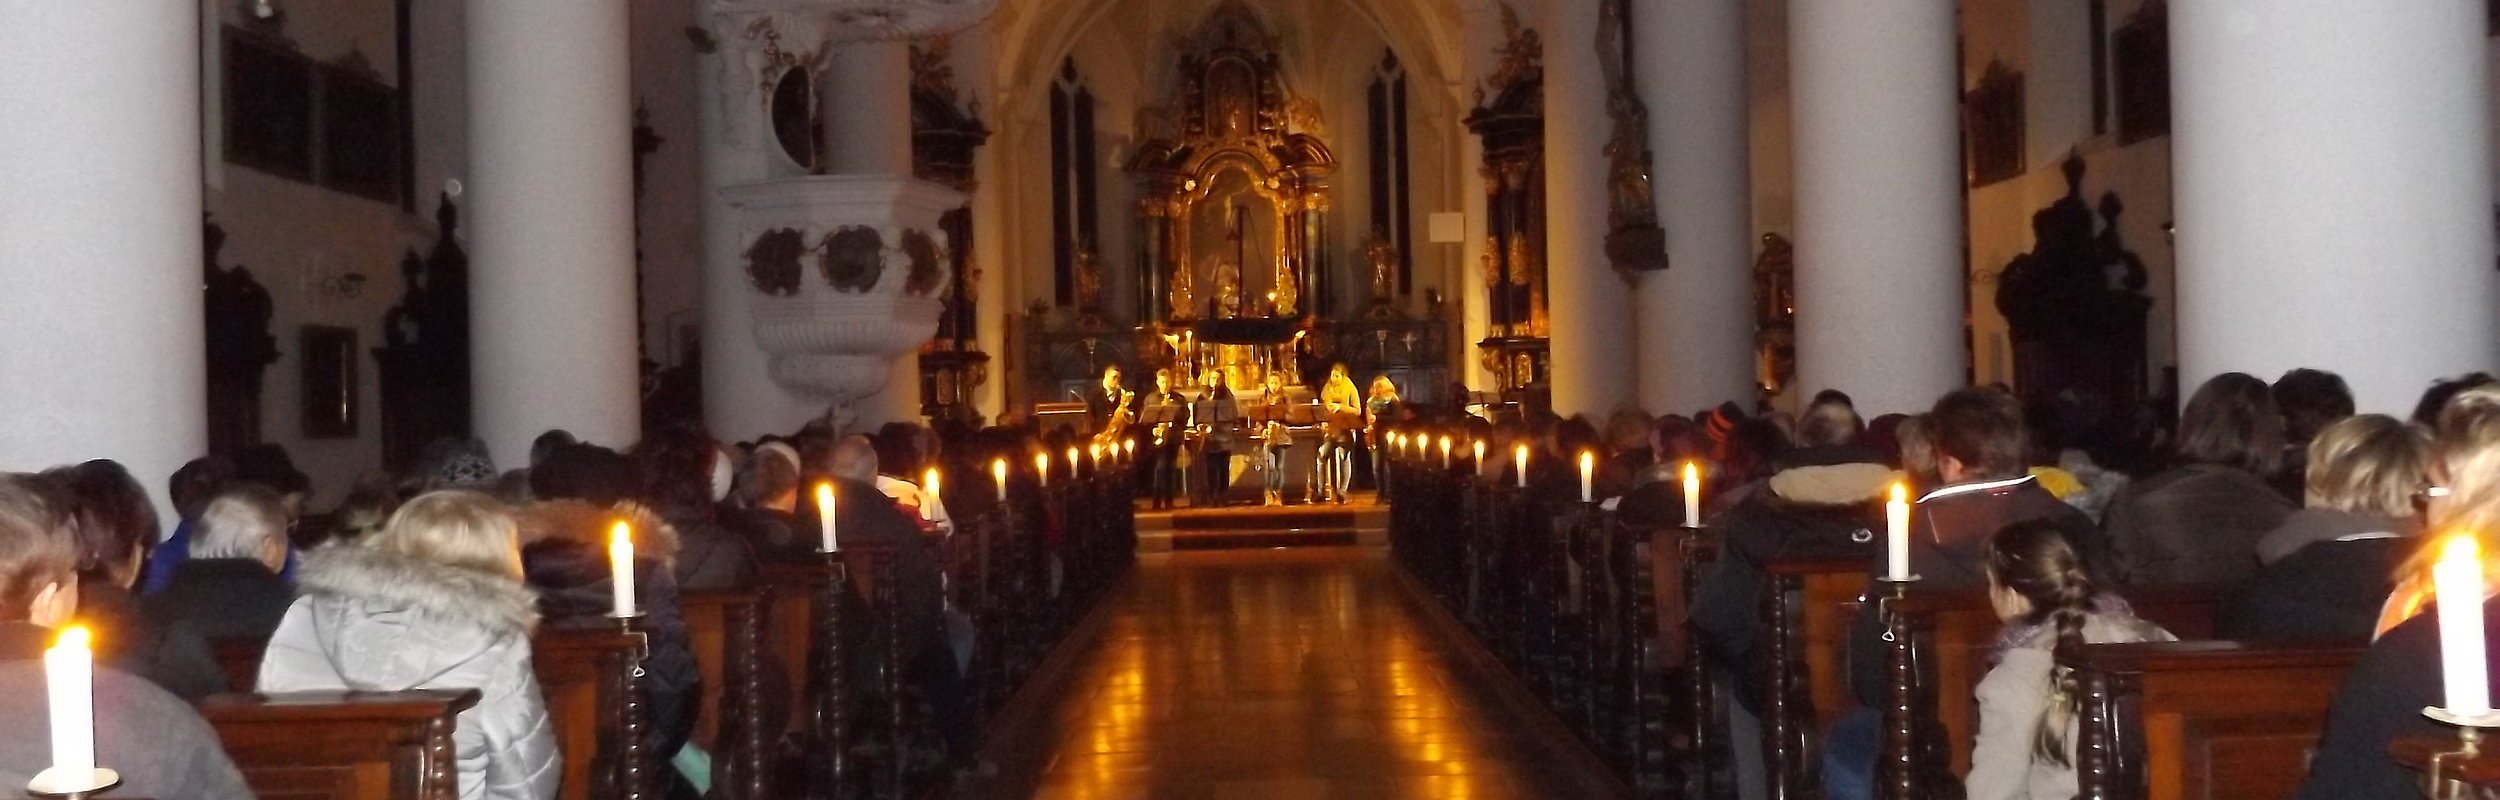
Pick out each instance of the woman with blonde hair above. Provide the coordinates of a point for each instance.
(433, 601)
(2329, 566)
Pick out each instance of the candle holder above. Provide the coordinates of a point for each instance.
(841, 568)
(2435, 780)
(627, 623)
(57, 782)
(1892, 590)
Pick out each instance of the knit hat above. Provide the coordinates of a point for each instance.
(466, 467)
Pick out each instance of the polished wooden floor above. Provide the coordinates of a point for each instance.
(1279, 675)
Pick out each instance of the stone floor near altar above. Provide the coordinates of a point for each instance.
(1277, 674)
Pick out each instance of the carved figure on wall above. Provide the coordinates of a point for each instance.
(2075, 309)
(424, 363)
(773, 262)
(1088, 279)
(1775, 330)
(239, 347)
(1384, 261)
(853, 258)
(1286, 297)
(927, 272)
(1227, 288)
(1634, 242)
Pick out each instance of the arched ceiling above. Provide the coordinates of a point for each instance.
(1032, 37)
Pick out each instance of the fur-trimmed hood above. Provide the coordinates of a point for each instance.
(368, 576)
(1829, 485)
(577, 521)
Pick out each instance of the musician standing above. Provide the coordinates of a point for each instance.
(1101, 403)
(1212, 420)
(1163, 443)
(1377, 407)
(1342, 404)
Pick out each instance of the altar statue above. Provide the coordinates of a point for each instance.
(1227, 288)
(1286, 296)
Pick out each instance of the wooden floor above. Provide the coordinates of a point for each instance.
(1279, 675)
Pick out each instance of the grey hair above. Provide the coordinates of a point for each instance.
(238, 524)
(854, 458)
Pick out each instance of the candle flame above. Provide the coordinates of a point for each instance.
(1588, 461)
(1445, 446)
(929, 481)
(1900, 492)
(621, 534)
(824, 495)
(998, 467)
(1692, 472)
(2459, 549)
(1479, 449)
(74, 637)
(1072, 462)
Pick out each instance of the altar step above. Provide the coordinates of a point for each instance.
(1256, 527)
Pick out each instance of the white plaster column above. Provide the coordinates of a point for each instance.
(2334, 192)
(1696, 319)
(551, 174)
(976, 53)
(100, 250)
(1879, 219)
(1475, 300)
(740, 399)
(1589, 307)
(867, 108)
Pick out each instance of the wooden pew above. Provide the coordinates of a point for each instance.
(726, 628)
(1809, 685)
(342, 745)
(1676, 558)
(597, 706)
(2217, 719)
(1948, 634)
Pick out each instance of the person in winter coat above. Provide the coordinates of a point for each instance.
(1828, 502)
(2050, 601)
(229, 588)
(2199, 522)
(434, 601)
(158, 744)
(2329, 567)
(113, 522)
(684, 477)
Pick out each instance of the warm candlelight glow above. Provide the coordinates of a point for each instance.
(1041, 468)
(621, 558)
(1897, 533)
(1588, 476)
(824, 519)
(2458, 582)
(1520, 454)
(1072, 462)
(1445, 450)
(1480, 455)
(69, 680)
(1692, 495)
(998, 469)
(929, 486)
(1128, 448)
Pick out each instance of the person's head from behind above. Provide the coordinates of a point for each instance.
(1834, 397)
(548, 443)
(587, 473)
(455, 528)
(854, 458)
(1977, 435)
(1627, 431)
(2232, 421)
(898, 449)
(2371, 465)
(675, 465)
(1830, 424)
(268, 465)
(38, 553)
(366, 509)
(246, 522)
(196, 482)
(770, 478)
(2467, 442)
(2435, 399)
(2036, 577)
(2310, 399)
(115, 521)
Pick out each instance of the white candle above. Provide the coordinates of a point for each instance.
(1445, 452)
(1897, 533)
(69, 677)
(621, 558)
(1041, 467)
(929, 486)
(2458, 580)
(1072, 462)
(1128, 449)
(1588, 476)
(1520, 455)
(1692, 495)
(824, 518)
(1397, 444)
(1479, 456)
(998, 469)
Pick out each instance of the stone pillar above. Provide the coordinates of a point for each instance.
(1696, 319)
(867, 108)
(1872, 86)
(1475, 298)
(1590, 307)
(740, 399)
(551, 171)
(2334, 192)
(100, 250)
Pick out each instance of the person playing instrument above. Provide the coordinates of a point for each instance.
(1343, 404)
(1099, 405)
(1163, 445)
(1213, 418)
(1275, 438)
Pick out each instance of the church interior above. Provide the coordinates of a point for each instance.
(1221, 398)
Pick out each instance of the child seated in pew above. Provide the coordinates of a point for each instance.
(2050, 600)
(2382, 699)
(2326, 570)
(158, 744)
(433, 601)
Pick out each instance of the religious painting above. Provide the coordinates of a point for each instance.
(1992, 124)
(1233, 234)
(329, 382)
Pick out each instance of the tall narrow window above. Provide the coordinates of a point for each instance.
(1073, 209)
(2099, 15)
(1391, 217)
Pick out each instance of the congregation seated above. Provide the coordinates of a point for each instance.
(2310, 400)
(433, 601)
(229, 588)
(2330, 566)
(684, 478)
(764, 505)
(2050, 600)
(155, 741)
(582, 492)
(265, 465)
(1656, 499)
(112, 523)
(2198, 522)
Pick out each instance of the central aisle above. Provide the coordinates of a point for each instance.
(1276, 675)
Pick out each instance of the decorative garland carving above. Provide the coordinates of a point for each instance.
(773, 262)
(853, 258)
(927, 272)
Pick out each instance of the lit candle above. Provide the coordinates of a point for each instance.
(1692, 495)
(1897, 533)
(1588, 476)
(998, 469)
(929, 485)
(1072, 462)
(1397, 444)
(1445, 451)
(824, 518)
(1093, 453)
(621, 558)
(1520, 454)
(69, 677)
(1041, 467)
(2458, 580)
(1128, 449)
(1479, 456)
